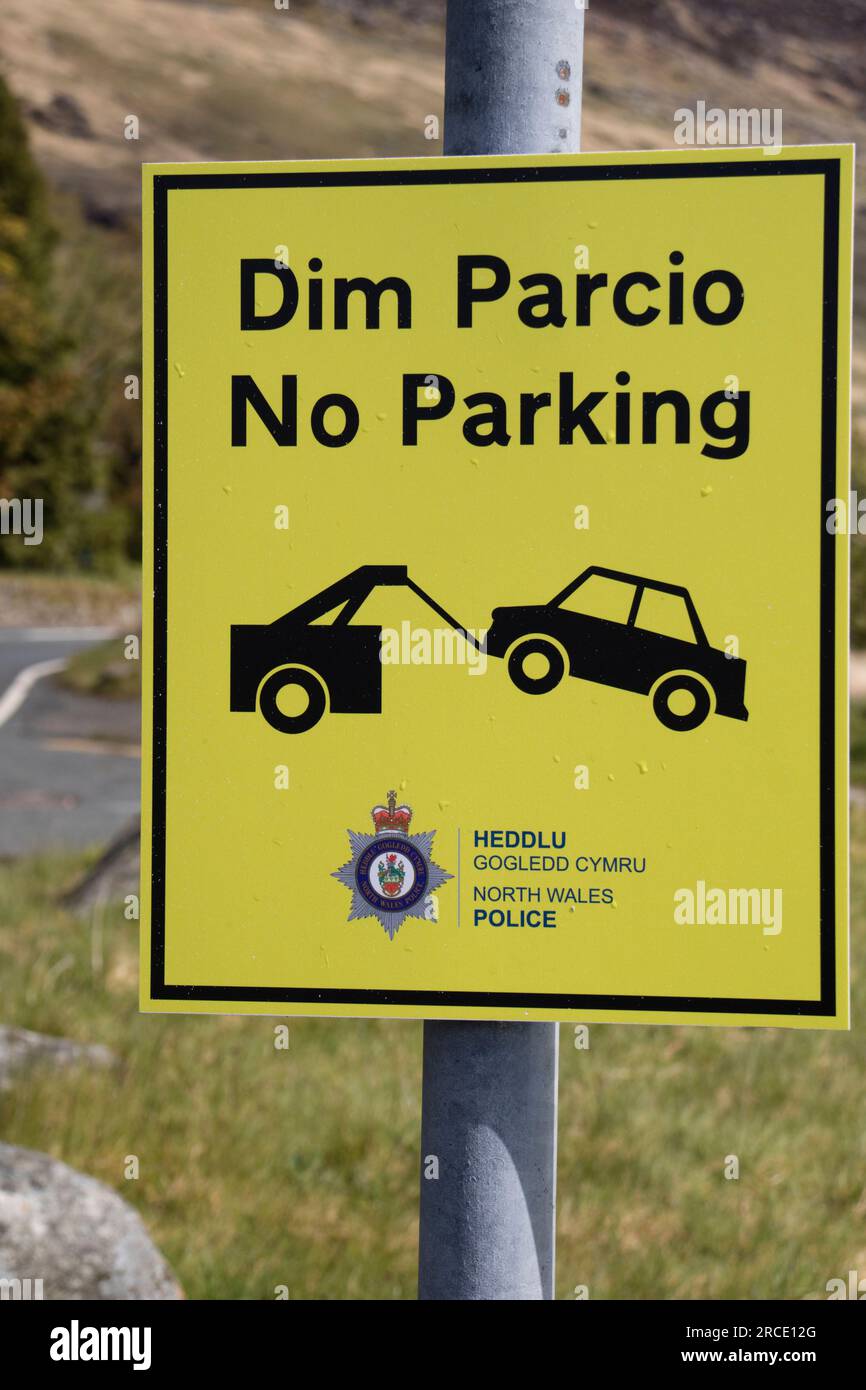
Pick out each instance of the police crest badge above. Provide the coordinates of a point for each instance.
(391, 874)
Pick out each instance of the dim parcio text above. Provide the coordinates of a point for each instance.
(637, 298)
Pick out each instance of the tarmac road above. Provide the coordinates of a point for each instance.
(69, 769)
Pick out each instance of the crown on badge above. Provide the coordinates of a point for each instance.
(392, 817)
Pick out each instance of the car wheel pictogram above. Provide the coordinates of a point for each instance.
(520, 666)
(668, 708)
(306, 718)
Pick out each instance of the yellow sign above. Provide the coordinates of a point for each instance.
(498, 648)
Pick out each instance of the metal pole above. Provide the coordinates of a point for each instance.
(513, 79)
(488, 1205)
(513, 76)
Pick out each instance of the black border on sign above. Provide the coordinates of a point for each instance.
(829, 170)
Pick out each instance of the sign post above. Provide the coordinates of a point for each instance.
(495, 523)
(513, 85)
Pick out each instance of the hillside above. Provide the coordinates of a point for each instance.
(230, 79)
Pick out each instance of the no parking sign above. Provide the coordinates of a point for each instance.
(498, 646)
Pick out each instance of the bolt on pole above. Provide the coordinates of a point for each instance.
(513, 80)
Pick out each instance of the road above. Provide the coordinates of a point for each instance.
(69, 770)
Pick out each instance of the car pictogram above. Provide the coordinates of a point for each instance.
(655, 645)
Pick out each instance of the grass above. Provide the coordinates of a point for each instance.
(103, 670)
(262, 1167)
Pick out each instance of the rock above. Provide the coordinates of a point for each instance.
(73, 1233)
(20, 1050)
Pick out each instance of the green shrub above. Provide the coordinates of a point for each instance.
(48, 413)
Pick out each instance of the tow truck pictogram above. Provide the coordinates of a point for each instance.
(337, 664)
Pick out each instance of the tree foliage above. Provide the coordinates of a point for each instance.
(48, 417)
